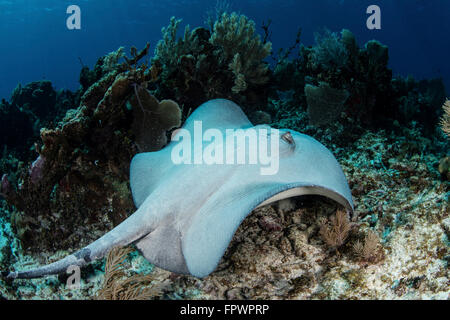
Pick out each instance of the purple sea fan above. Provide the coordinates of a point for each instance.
(36, 170)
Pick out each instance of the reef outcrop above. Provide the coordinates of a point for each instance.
(79, 181)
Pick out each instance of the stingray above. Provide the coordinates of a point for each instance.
(187, 214)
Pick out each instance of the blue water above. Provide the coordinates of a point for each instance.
(35, 43)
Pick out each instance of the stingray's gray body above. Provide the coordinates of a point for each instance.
(187, 214)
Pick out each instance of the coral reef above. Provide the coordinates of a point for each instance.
(38, 97)
(207, 64)
(419, 101)
(16, 127)
(79, 181)
(30, 108)
(42, 102)
(382, 129)
(375, 98)
(396, 249)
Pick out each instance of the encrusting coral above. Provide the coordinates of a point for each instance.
(170, 49)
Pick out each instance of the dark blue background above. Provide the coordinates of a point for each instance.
(35, 43)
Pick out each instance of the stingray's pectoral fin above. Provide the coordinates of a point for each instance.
(162, 247)
(212, 228)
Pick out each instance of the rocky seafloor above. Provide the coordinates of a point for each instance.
(278, 253)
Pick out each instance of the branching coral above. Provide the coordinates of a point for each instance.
(213, 14)
(111, 61)
(369, 250)
(242, 49)
(202, 65)
(170, 49)
(188, 71)
(117, 286)
(329, 52)
(335, 231)
(445, 120)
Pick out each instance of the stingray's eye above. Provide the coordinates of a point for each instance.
(287, 137)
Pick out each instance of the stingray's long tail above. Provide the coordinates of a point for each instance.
(125, 233)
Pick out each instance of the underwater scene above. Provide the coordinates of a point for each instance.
(224, 149)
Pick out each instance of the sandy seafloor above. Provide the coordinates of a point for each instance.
(277, 252)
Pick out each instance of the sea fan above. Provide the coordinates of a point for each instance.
(336, 231)
(117, 286)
